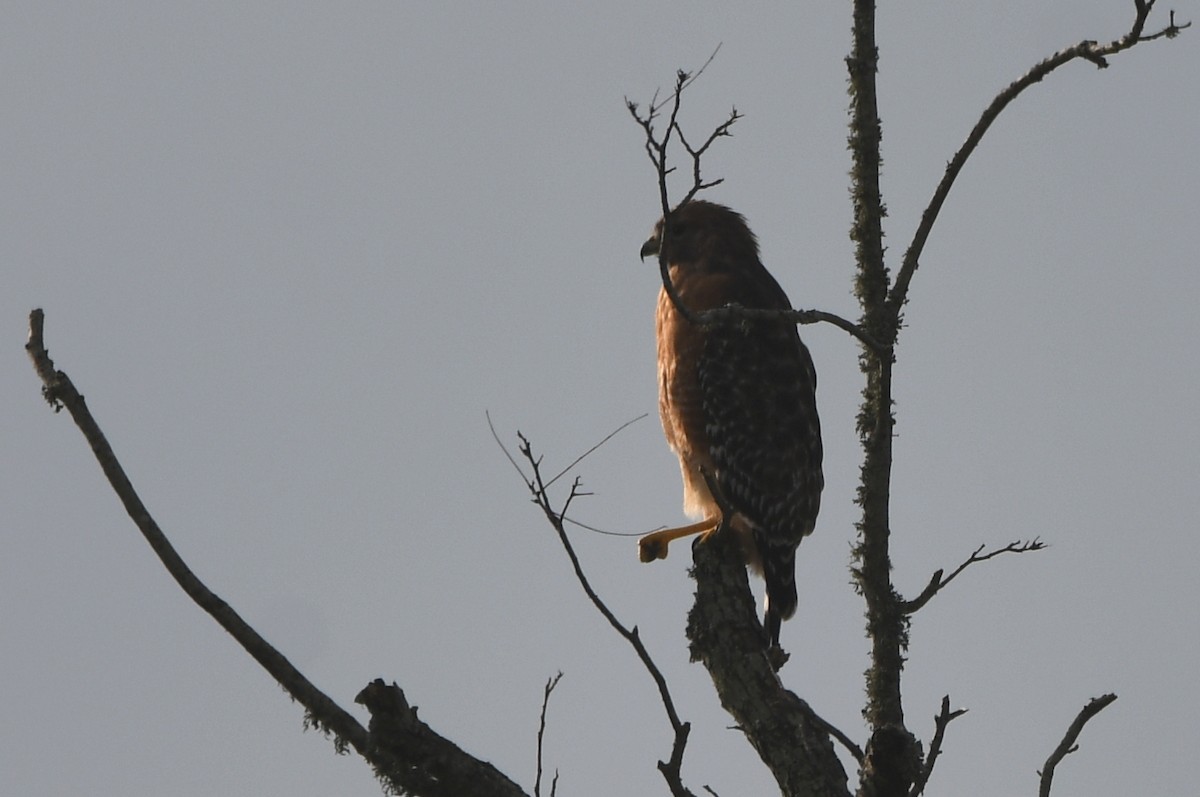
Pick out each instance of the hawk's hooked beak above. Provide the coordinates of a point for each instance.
(650, 247)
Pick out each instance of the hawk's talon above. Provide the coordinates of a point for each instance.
(650, 550)
(777, 657)
(654, 545)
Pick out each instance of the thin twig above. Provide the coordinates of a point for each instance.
(507, 453)
(665, 237)
(550, 684)
(607, 532)
(1087, 50)
(938, 582)
(943, 718)
(1067, 745)
(692, 78)
(584, 455)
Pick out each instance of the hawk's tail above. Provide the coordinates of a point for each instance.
(779, 571)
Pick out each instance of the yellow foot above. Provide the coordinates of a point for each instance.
(654, 545)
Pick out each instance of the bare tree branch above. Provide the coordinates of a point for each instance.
(404, 751)
(938, 581)
(60, 392)
(943, 718)
(550, 684)
(1067, 745)
(1086, 50)
(537, 486)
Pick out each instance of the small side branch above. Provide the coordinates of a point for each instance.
(720, 131)
(1087, 50)
(943, 718)
(1068, 745)
(802, 317)
(537, 783)
(939, 580)
(538, 487)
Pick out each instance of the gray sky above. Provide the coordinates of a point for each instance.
(291, 252)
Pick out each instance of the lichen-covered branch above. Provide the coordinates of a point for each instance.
(893, 755)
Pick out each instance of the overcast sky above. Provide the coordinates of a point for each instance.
(292, 252)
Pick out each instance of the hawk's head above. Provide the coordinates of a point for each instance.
(703, 235)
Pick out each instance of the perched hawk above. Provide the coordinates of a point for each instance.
(737, 400)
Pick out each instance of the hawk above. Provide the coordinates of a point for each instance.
(737, 398)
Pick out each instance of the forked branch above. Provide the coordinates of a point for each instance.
(657, 149)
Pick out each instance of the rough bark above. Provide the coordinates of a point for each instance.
(727, 638)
